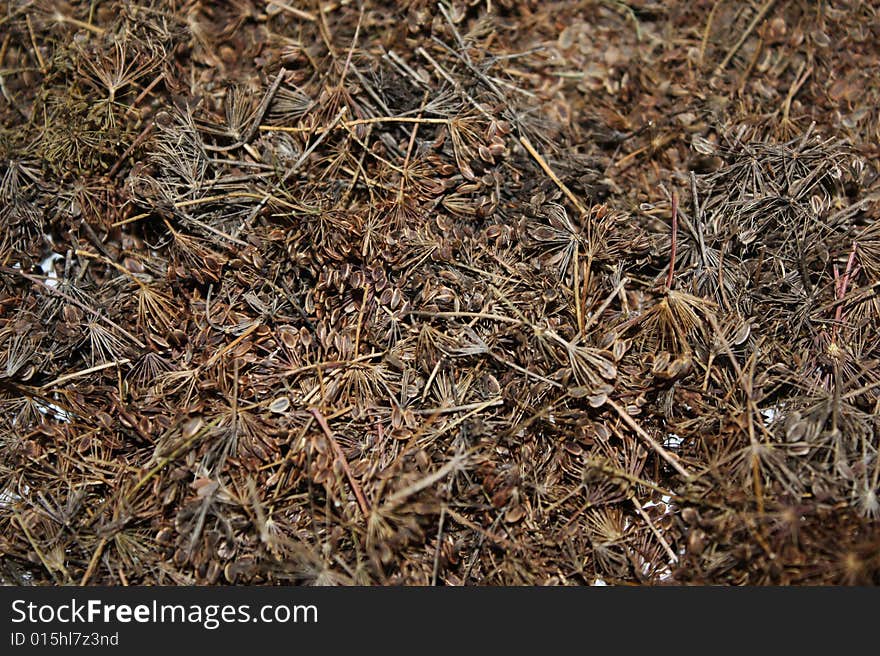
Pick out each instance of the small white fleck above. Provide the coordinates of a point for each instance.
(8, 497)
(50, 409)
(48, 267)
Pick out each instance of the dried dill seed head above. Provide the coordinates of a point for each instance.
(436, 295)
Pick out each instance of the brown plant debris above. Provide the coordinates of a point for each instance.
(439, 292)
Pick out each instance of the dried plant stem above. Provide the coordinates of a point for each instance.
(457, 408)
(437, 67)
(632, 479)
(18, 11)
(697, 229)
(131, 219)
(395, 499)
(242, 140)
(489, 535)
(4, 48)
(299, 13)
(354, 40)
(709, 361)
(855, 296)
(143, 94)
(332, 364)
(654, 444)
(705, 41)
(669, 277)
(171, 457)
(841, 285)
(728, 351)
(471, 315)
(524, 140)
(106, 260)
(270, 194)
(39, 552)
(212, 229)
(34, 44)
(608, 299)
(235, 342)
(360, 321)
(762, 12)
(263, 107)
(233, 194)
(745, 383)
(412, 140)
(61, 18)
(750, 67)
(460, 420)
(397, 60)
(673, 557)
(308, 151)
(217, 327)
(430, 381)
(578, 307)
(76, 302)
(630, 13)
(858, 392)
(800, 79)
(84, 372)
(358, 493)
(356, 122)
(93, 562)
(625, 161)
(455, 84)
(439, 545)
(128, 151)
(523, 370)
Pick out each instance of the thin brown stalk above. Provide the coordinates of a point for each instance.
(524, 140)
(76, 302)
(654, 444)
(93, 562)
(673, 557)
(672, 254)
(355, 486)
(84, 372)
(762, 12)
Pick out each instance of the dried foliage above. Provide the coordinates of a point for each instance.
(439, 293)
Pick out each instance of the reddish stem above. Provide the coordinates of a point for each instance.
(841, 286)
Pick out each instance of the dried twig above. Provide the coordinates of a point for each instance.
(654, 444)
(355, 486)
(762, 12)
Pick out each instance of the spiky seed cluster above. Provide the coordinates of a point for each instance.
(341, 298)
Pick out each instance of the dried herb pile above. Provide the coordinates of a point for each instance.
(439, 293)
